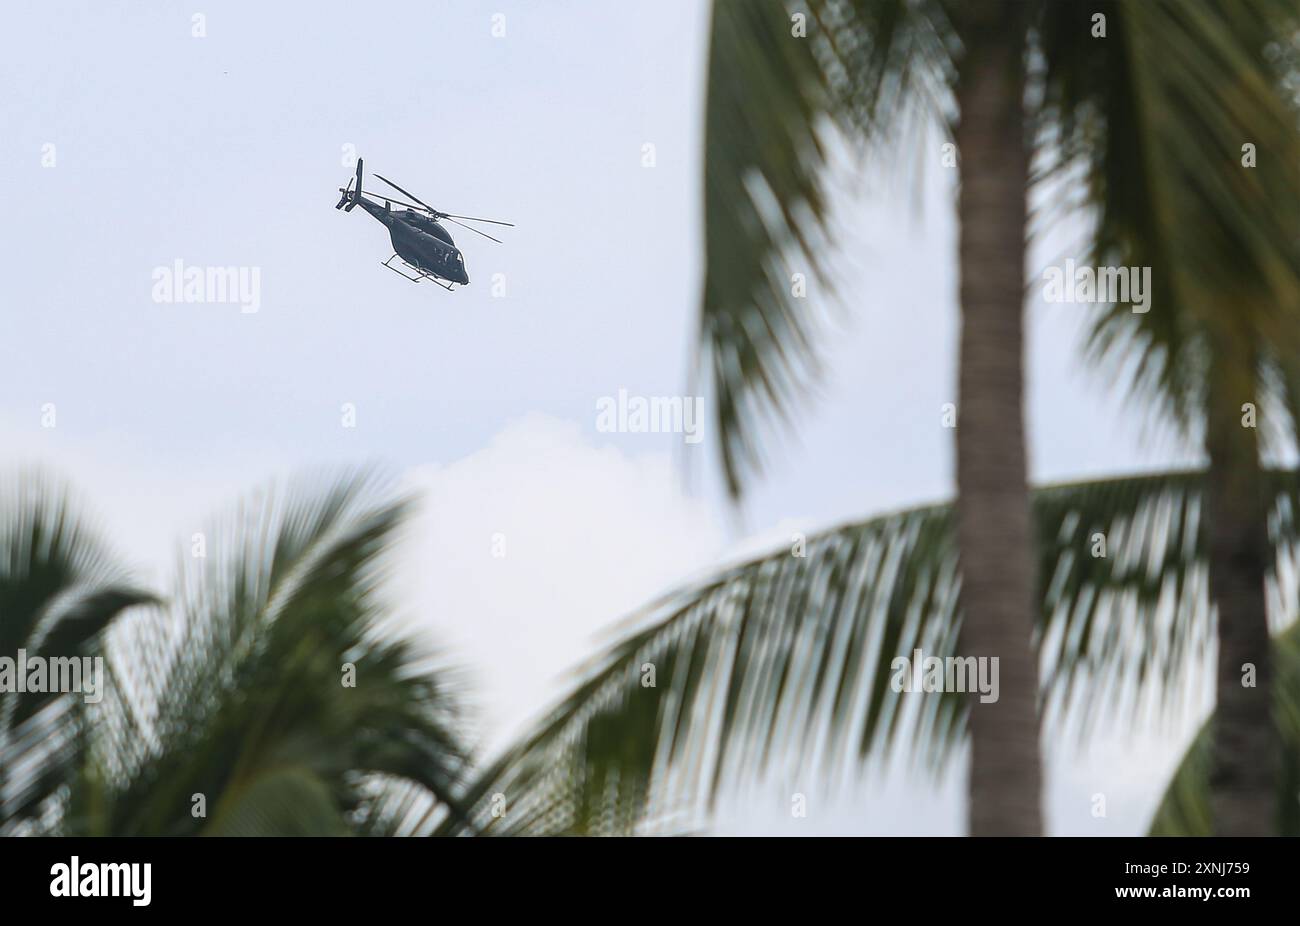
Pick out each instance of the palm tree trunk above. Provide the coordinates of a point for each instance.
(993, 515)
(1243, 798)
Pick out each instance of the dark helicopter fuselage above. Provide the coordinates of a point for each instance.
(421, 241)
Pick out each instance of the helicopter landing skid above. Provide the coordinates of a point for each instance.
(419, 274)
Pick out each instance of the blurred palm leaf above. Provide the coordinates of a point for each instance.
(236, 693)
(787, 656)
(774, 103)
(1152, 121)
(60, 589)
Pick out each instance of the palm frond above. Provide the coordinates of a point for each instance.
(238, 692)
(1158, 113)
(774, 100)
(61, 588)
(784, 663)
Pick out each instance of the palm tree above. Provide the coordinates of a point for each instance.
(993, 523)
(865, 68)
(1135, 107)
(272, 695)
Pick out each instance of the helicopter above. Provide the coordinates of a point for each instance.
(420, 241)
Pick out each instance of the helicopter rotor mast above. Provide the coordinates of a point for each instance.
(437, 214)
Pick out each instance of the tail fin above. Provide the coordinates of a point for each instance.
(351, 195)
(356, 192)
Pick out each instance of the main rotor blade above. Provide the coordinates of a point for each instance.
(470, 227)
(406, 192)
(436, 214)
(471, 218)
(388, 199)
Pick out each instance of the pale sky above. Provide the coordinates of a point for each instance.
(227, 149)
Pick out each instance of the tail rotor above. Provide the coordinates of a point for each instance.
(352, 194)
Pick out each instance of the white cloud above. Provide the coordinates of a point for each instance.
(589, 535)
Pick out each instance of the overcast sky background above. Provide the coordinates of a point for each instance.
(228, 149)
